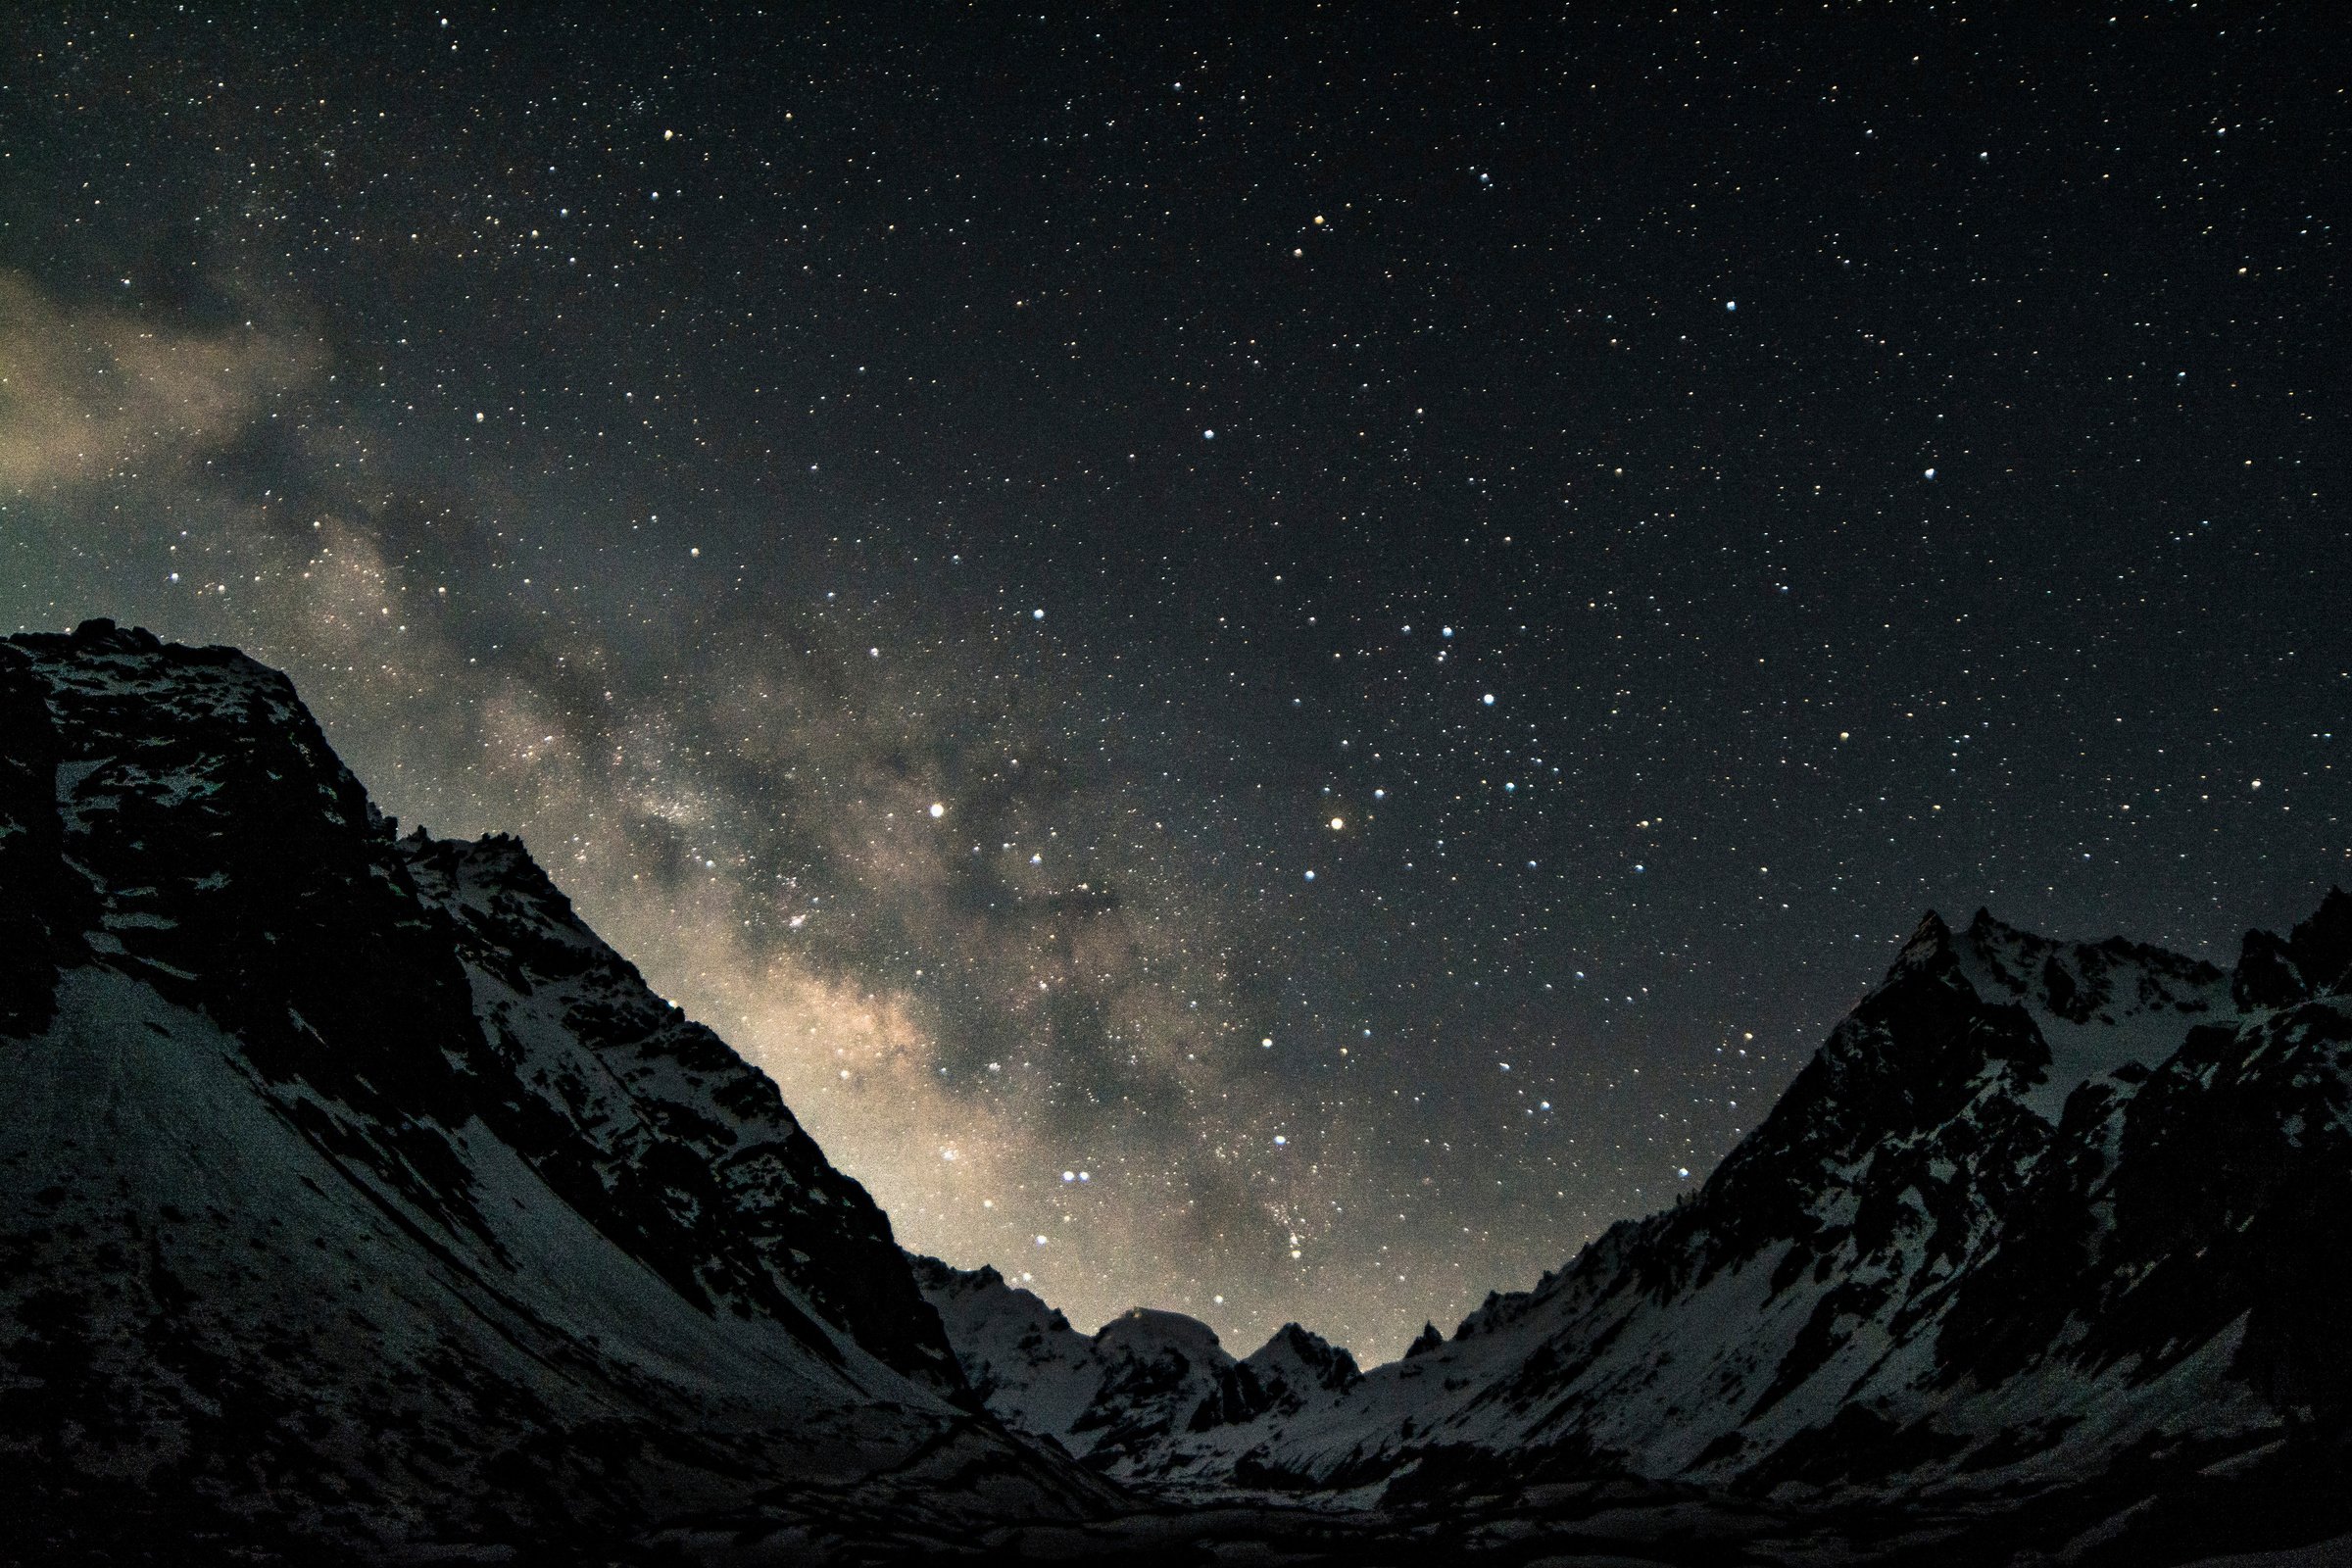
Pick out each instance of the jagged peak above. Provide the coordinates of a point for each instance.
(502, 852)
(2324, 943)
(2313, 959)
(101, 633)
(510, 860)
(1296, 1337)
(1929, 941)
(97, 647)
(1293, 1345)
(2110, 982)
(942, 1280)
(985, 1277)
(495, 864)
(99, 637)
(506, 847)
(1427, 1340)
(1985, 927)
(1989, 935)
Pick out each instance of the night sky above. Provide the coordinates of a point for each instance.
(1276, 662)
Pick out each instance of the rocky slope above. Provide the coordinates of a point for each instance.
(353, 1195)
(2045, 1231)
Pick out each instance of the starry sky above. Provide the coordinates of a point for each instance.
(1276, 659)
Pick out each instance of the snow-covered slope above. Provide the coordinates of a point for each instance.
(2099, 1006)
(354, 1194)
(648, 1125)
(2040, 1220)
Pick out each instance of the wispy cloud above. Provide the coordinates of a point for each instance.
(92, 392)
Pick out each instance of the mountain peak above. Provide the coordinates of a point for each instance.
(1296, 1354)
(1152, 1330)
(1930, 939)
(2098, 1006)
(1908, 1275)
(1984, 924)
(100, 632)
(2313, 959)
(444, 1202)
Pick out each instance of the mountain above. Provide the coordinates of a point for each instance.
(1122, 1398)
(358, 1198)
(354, 1198)
(2046, 1240)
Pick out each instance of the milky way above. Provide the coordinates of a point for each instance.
(1273, 670)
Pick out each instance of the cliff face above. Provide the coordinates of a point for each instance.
(355, 1193)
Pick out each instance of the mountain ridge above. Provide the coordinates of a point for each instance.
(355, 1196)
(2037, 1217)
(360, 1194)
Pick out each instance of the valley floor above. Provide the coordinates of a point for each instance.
(1582, 1525)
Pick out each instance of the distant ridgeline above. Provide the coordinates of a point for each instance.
(354, 1197)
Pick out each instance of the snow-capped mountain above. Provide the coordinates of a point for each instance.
(1124, 1397)
(2098, 1006)
(2040, 1221)
(356, 1195)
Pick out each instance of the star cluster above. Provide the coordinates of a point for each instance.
(1276, 663)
